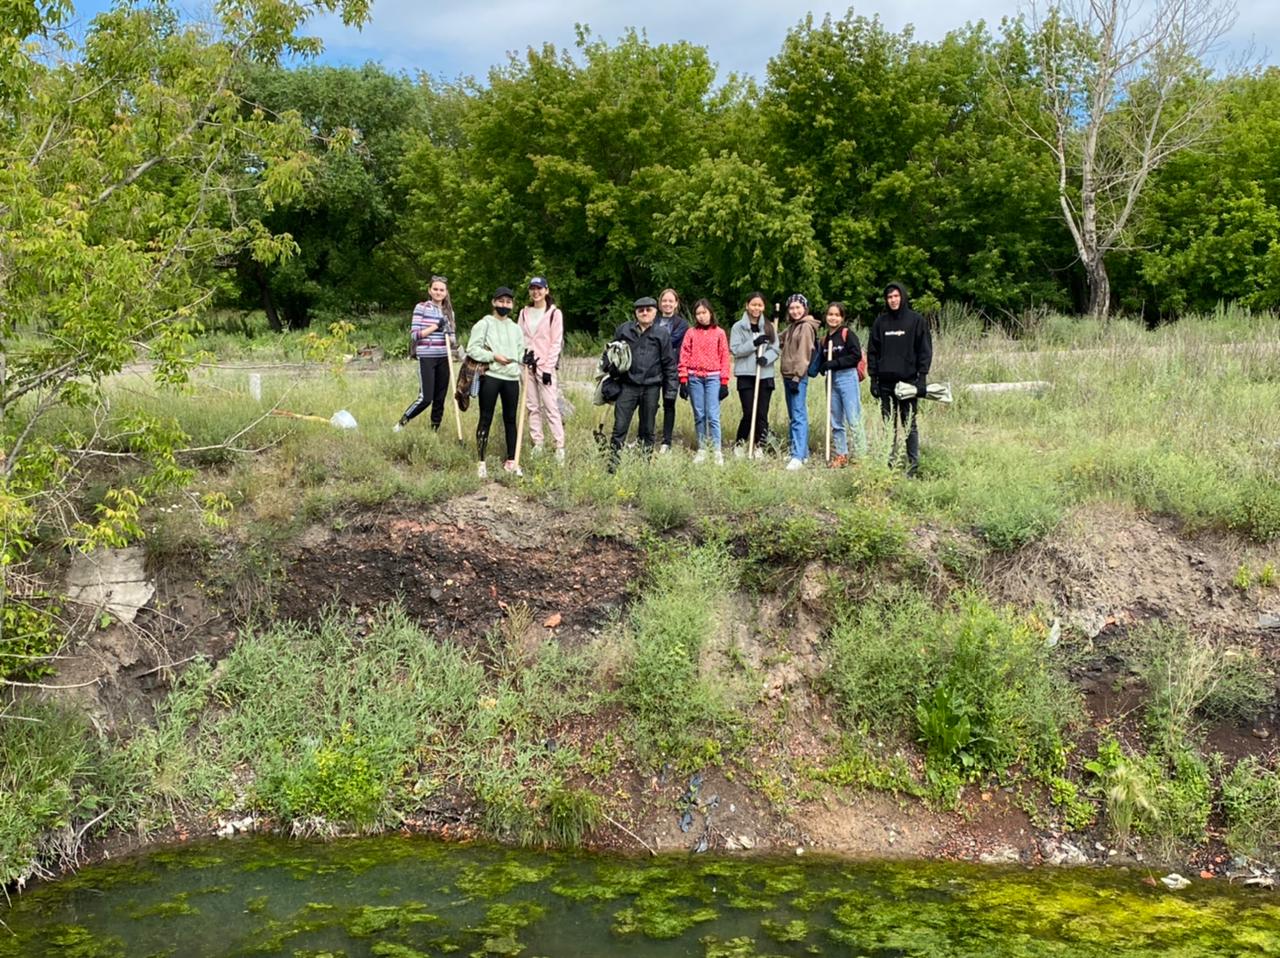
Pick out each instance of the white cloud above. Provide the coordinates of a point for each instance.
(450, 38)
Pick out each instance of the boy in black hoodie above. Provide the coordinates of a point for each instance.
(900, 349)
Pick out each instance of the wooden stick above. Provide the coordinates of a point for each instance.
(285, 414)
(830, 374)
(453, 384)
(623, 828)
(755, 405)
(524, 411)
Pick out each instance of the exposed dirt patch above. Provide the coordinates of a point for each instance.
(1107, 566)
(461, 567)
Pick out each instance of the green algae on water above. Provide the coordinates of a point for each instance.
(424, 898)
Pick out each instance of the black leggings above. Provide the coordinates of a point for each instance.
(746, 388)
(668, 419)
(490, 389)
(433, 386)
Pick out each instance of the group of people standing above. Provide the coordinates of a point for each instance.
(672, 357)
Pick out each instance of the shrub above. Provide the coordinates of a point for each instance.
(1251, 804)
(865, 534)
(974, 682)
(1189, 677)
(342, 780)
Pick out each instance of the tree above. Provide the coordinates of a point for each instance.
(123, 163)
(1211, 230)
(1116, 96)
(558, 166)
(361, 121)
(900, 151)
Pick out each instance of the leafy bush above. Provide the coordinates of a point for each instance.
(866, 534)
(1167, 799)
(976, 683)
(1251, 804)
(1189, 677)
(342, 780)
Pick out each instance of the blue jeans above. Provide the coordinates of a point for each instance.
(846, 407)
(704, 393)
(798, 413)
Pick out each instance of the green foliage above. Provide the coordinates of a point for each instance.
(127, 167)
(1189, 677)
(28, 635)
(1251, 805)
(341, 780)
(1128, 789)
(866, 533)
(679, 714)
(1078, 813)
(570, 814)
(858, 765)
(45, 758)
(361, 120)
(1165, 798)
(974, 682)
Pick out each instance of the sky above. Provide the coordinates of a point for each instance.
(448, 38)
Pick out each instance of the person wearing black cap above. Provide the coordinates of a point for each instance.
(652, 377)
(497, 341)
(899, 349)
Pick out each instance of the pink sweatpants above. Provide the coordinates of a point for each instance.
(542, 399)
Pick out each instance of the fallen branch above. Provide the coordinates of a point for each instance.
(621, 827)
(48, 688)
(168, 665)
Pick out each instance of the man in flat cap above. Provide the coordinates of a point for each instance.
(651, 378)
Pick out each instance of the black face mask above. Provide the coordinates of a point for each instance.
(502, 310)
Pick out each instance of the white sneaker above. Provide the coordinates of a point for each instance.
(537, 449)
(758, 454)
(795, 464)
(719, 458)
(700, 456)
(664, 448)
(739, 452)
(398, 427)
(510, 466)
(481, 471)
(560, 455)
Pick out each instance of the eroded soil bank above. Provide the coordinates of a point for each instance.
(494, 561)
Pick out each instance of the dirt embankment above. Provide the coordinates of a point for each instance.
(461, 567)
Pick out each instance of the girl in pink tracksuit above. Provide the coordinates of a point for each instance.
(704, 377)
(543, 326)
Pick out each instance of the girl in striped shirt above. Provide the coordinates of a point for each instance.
(430, 338)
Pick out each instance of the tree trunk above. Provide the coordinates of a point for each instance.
(1099, 288)
(268, 301)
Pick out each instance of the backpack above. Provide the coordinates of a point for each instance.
(613, 365)
(468, 381)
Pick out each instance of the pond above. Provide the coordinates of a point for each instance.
(410, 897)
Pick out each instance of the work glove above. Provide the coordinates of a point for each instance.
(760, 340)
(530, 359)
(922, 385)
(684, 390)
(546, 379)
(724, 392)
(875, 389)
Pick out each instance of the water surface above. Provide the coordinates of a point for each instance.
(410, 897)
